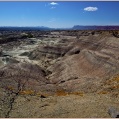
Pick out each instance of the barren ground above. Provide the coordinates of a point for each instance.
(71, 74)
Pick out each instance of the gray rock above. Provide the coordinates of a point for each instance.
(113, 112)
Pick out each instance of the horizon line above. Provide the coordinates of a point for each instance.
(58, 27)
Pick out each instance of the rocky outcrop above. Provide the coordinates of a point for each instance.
(10, 38)
(51, 52)
(9, 60)
(113, 112)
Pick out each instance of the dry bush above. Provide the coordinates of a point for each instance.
(27, 92)
(115, 86)
(61, 93)
(78, 93)
(116, 78)
(103, 92)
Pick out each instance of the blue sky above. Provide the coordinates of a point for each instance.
(59, 14)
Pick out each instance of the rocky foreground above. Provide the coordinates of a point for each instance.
(59, 73)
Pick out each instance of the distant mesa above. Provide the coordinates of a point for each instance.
(81, 27)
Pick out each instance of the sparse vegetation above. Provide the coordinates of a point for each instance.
(115, 33)
(63, 93)
(27, 92)
(77, 93)
(30, 35)
(103, 92)
(116, 78)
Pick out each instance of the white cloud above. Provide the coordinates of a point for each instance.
(91, 9)
(53, 3)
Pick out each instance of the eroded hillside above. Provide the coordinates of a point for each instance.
(40, 71)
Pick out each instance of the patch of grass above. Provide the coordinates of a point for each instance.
(61, 93)
(116, 78)
(103, 92)
(42, 94)
(27, 92)
(77, 93)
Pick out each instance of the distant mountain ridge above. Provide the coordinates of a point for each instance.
(79, 27)
(75, 27)
(24, 28)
